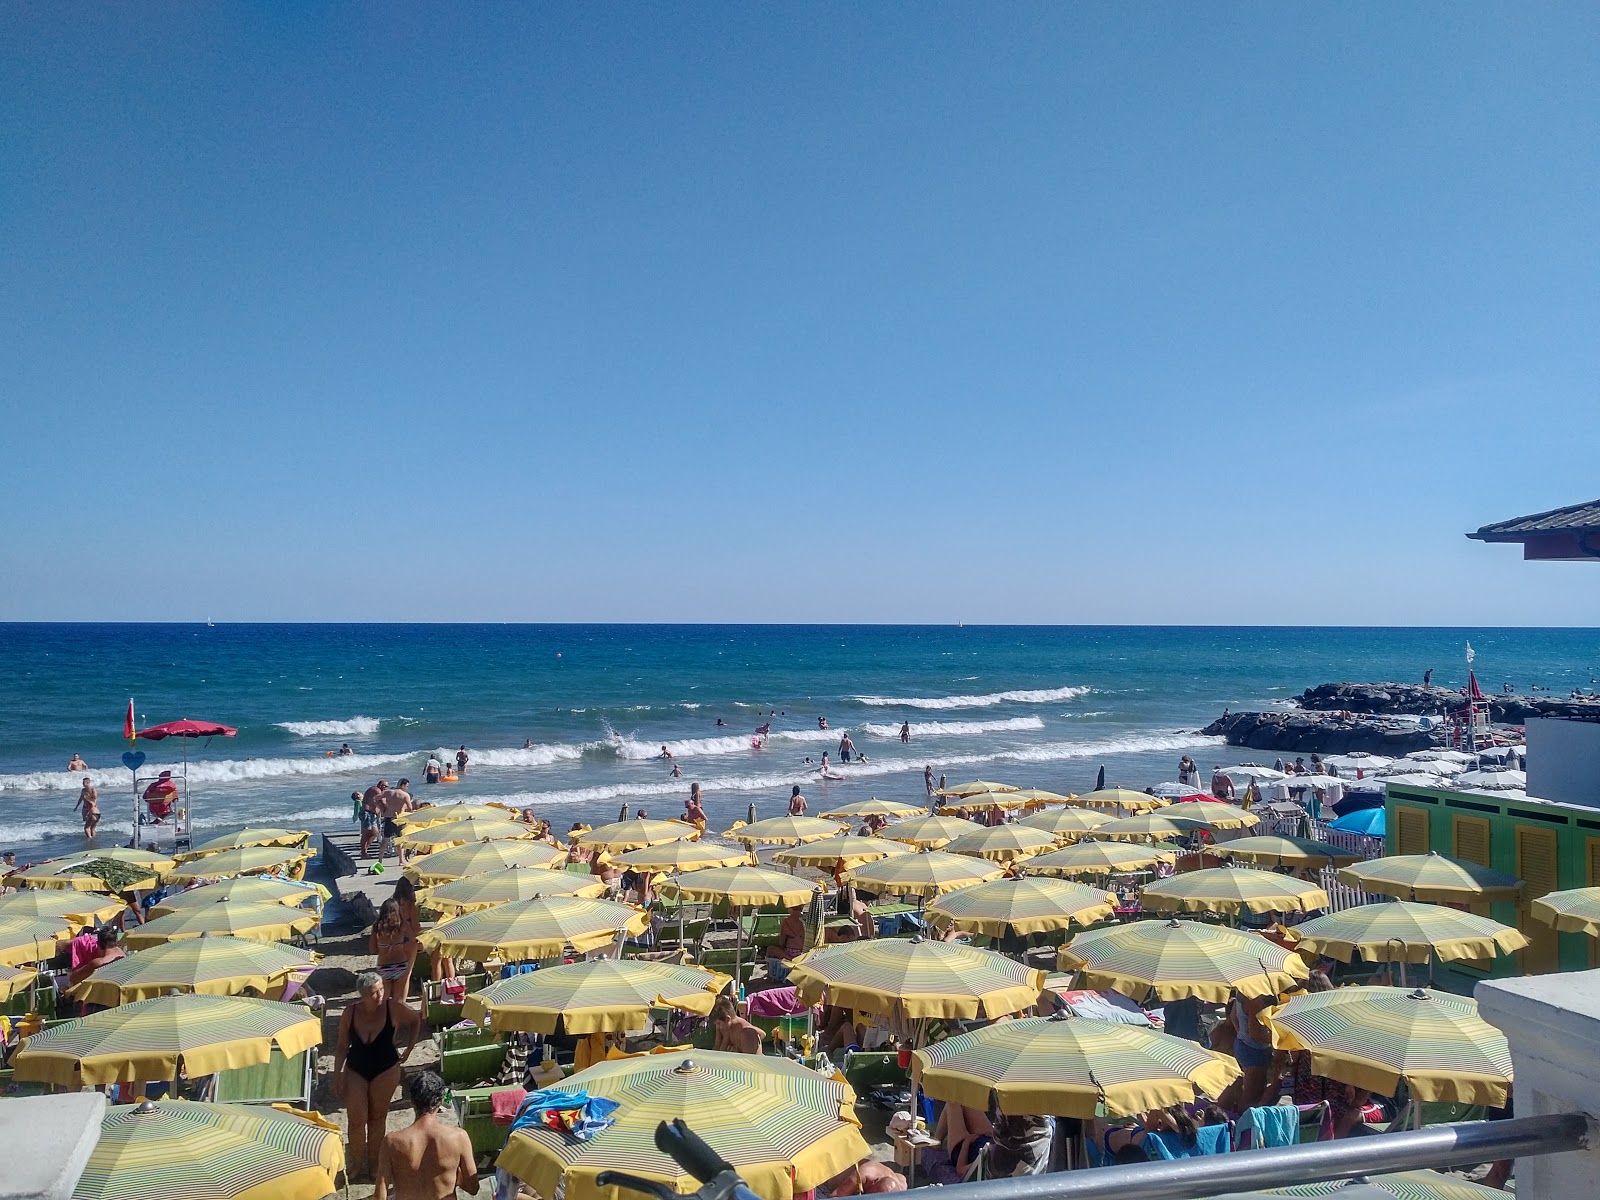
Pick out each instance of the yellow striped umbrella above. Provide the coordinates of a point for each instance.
(26, 940)
(929, 833)
(981, 789)
(1066, 824)
(1275, 850)
(76, 874)
(599, 996)
(636, 833)
(1123, 798)
(873, 807)
(842, 852)
(916, 978)
(249, 860)
(235, 918)
(144, 1040)
(1576, 910)
(159, 1150)
(1021, 906)
(472, 829)
(785, 831)
(929, 873)
(741, 886)
(1402, 930)
(1002, 844)
(1068, 1066)
(445, 814)
(246, 889)
(254, 836)
(1100, 858)
(506, 886)
(1233, 890)
(1178, 959)
(1431, 876)
(670, 857)
(1374, 1037)
(1215, 813)
(529, 929)
(782, 1127)
(1038, 796)
(477, 857)
(1145, 827)
(213, 966)
(76, 908)
(15, 979)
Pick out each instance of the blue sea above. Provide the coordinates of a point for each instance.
(570, 719)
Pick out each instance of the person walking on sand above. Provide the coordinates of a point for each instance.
(927, 779)
(428, 1159)
(797, 802)
(372, 815)
(376, 1035)
(89, 801)
(1427, 677)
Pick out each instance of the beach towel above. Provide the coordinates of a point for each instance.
(776, 1002)
(574, 1112)
(505, 1105)
(1208, 1139)
(1269, 1125)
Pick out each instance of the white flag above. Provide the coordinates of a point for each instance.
(1471, 654)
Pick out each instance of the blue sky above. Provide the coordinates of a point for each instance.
(1099, 313)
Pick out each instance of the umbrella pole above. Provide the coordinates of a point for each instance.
(738, 948)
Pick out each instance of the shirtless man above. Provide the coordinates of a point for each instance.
(372, 815)
(395, 803)
(865, 1177)
(77, 763)
(427, 1160)
(733, 1033)
(89, 801)
(846, 748)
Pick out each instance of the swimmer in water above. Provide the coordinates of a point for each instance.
(676, 772)
(665, 754)
(905, 731)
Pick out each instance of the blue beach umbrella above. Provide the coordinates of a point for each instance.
(1370, 821)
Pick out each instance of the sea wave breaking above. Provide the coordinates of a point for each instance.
(1018, 696)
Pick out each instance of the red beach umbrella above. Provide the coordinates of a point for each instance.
(188, 729)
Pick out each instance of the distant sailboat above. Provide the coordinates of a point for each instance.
(210, 624)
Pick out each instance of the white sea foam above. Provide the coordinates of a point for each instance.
(522, 756)
(110, 780)
(354, 727)
(925, 729)
(1020, 696)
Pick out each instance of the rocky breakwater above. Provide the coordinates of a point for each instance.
(1304, 732)
(1415, 700)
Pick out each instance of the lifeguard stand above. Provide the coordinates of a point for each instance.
(148, 834)
(1470, 724)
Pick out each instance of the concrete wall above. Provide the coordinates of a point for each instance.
(1564, 761)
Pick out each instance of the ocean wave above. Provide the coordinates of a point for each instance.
(1019, 696)
(922, 729)
(543, 755)
(354, 727)
(111, 780)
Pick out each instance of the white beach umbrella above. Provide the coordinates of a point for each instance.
(1415, 779)
(1254, 771)
(1459, 758)
(1169, 790)
(1493, 781)
(1360, 760)
(1500, 794)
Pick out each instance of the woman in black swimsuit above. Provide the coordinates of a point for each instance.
(376, 1034)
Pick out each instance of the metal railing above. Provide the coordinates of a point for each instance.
(1349, 1158)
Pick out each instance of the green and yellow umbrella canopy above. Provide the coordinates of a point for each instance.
(930, 873)
(980, 789)
(1401, 930)
(842, 852)
(1574, 911)
(1402, 1185)
(15, 979)
(27, 940)
(156, 1150)
(87, 873)
(474, 859)
(1100, 858)
(235, 918)
(445, 814)
(672, 857)
(248, 860)
(1146, 827)
(1431, 876)
(741, 886)
(916, 978)
(1067, 1066)
(472, 829)
(599, 996)
(1215, 813)
(782, 1127)
(254, 836)
(637, 833)
(77, 909)
(505, 886)
(528, 929)
(212, 966)
(145, 1040)
(873, 807)
(785, 831)
(1233, 890)
(929, 833)
(1123, 798)
(1066, 824)
(1021, 906)
(1035, 796)
(1275, 850)
(244, 890)
(1374, 1037)
(1003, 843)
(1178, 959)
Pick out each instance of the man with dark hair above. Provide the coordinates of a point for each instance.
(427, 1160)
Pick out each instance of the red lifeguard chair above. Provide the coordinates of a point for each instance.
(165, 794)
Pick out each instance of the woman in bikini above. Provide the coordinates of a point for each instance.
(376, 1034)
(394, 942)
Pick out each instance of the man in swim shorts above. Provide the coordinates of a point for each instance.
(372, 815)
(395, 803)
(428, 1159)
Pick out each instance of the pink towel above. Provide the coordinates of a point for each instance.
(504, 1104)
(776, 1002)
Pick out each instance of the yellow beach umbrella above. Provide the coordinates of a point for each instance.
(1020, 906)
(1233, 890)
(1066, 824)
(529, 929)
(505, 886)
(1002, 844)
(472, 829)
(1375, 1037)
(929, 873)
(1431, 876)
(1576, 910)
(1100, 858)
(475, 858)
(841, 853)
(159, 1150)
(1276, 850)
(213, 966)
(77, 909)
(672, 857)
(1069, 1067)
(27, 940)
(599, 996)
(246, 890)
(1405, 931)
(916, 978)
(785, 831)
(1123, 798)
(250, 860)
(929, 833)
(1216, 814)
(782, 1126)
(1177, 959)
(978, 788)
(1038, 796)
(1145, 827)
(741, 886)
(636, 833)
(445, 814)
(235, 918)
(144, 1040)
(253, 836)
(873, 807)
(86, 873)
(16, 979)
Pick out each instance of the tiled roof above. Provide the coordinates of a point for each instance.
(1575, 518)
